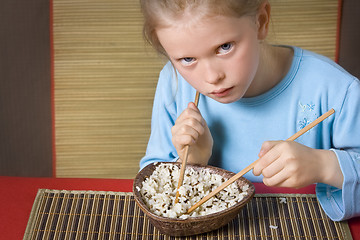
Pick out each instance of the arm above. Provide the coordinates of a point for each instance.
(343, 203)
(160, 147)
(171, 132)
(336, 171)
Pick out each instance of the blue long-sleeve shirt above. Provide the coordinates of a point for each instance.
(313, 85)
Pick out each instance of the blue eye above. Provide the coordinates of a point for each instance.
(187, 61)
(225, 48)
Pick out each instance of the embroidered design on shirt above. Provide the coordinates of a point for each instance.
(307, 114)
(303, 123)
(357, 157)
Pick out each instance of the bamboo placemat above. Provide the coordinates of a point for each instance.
(114, 215)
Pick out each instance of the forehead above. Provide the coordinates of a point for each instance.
(188, 36)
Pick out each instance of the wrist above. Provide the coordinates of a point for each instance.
(330, 171)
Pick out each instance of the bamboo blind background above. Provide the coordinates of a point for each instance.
(105, 77)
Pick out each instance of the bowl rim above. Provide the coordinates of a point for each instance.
(146, 210)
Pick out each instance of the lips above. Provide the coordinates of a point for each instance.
(221, 92)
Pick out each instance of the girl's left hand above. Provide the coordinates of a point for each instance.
(291, 164)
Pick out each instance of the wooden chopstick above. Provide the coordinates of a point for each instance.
(251, 166)
(183, 163)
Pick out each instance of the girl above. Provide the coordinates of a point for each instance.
(252, 92)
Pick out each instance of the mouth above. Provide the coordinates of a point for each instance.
(222, 92)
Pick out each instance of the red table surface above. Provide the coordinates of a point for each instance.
(17, 195)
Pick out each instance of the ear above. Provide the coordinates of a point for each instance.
(263, 20)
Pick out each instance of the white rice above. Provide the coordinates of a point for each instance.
(273, 227)
(159, 190)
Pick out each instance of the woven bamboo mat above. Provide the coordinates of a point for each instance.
(114, 215)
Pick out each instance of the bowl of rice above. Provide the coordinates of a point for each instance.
(155, 188)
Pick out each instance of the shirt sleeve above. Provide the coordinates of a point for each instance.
(341, 204)
(160, 147)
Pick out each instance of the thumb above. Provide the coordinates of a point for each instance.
(263, 162)
(193, 106)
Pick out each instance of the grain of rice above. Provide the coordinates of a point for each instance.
(273, 227)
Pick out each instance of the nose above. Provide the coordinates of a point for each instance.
(213, 72)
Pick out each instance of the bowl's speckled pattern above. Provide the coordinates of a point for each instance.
(192, 225)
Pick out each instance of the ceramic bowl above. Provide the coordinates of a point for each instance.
(191, 225)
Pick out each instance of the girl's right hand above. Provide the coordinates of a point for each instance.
(191, 129)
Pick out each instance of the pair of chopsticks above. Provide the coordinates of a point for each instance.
(251, 166)
(183, 163)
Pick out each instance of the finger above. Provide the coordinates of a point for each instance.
(276, 180)
(271, 155)
(193, 106)
(185, 135)
(194, 112)
(182, 127)
(286, 182)
(188, 114)
(266, 146)
(273, 168)
(286, 177)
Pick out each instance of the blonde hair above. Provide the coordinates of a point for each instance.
(160, 13)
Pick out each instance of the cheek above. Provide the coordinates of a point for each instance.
(192, 77)
(251, 51)
(248, 61)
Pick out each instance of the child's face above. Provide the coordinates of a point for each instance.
(218, 56)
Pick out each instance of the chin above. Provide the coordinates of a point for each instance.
(226, 100)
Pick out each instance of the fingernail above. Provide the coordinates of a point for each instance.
(261, 153)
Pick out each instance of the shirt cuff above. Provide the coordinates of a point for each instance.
(337, 203)
(331, 201)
